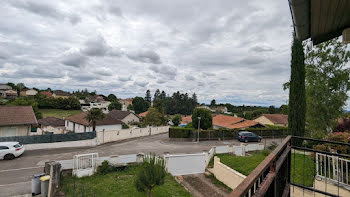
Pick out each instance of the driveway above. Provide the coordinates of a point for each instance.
(15, 175)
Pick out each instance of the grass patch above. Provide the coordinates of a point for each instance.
(118, 183)
(244, 165)
(58, 113)
(304, 174)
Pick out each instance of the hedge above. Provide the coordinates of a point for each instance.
(179, 132)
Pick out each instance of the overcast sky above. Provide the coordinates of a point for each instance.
(228, 50)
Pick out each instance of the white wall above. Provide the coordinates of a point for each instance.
(182, 164)
(79, 143)
(131, 118)
(116, 135)
(80, 128)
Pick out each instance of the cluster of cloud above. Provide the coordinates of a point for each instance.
(228, 51)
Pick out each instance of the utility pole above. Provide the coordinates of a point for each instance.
(199, 124)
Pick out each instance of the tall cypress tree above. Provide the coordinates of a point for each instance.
(297, 101)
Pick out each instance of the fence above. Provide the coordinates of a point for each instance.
(332, 168)
(50, 138)
(85, 164)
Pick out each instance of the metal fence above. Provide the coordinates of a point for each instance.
(332, 168)
(50, 138)
(299, 167)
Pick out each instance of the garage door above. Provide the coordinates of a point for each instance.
(8, 131)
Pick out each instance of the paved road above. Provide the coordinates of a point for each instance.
(15, 175)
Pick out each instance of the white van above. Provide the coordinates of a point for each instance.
(10, 150)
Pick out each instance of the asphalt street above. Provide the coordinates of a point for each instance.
(15, 175)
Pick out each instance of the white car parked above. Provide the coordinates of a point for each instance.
(10, 150)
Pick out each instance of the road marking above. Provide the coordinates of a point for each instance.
(9, 170)
(16, 183)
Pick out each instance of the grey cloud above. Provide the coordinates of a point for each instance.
(161, 81)
(190, 77)
(261, 48)
(141, 83)
(145, 56)
(208, 74)
(75, 59)
(95, 47)
(115, 10)
(168, 71)
(84, 76)
(201, 84)
(43, 8)
(125, 78)
(74, 19)
(34, 72)
(252, 60)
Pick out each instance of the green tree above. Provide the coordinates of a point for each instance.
(297, 101)
(213, 102)
(115, 105)
(206, 121)
(140, 105)
(327, 84)
(176, 120)
(148, 96)
(158, 104)
(93, 116)
(156, 95)
(154, 118)
(284, 109)
(112, 98)
(272, 109)
(150, 174)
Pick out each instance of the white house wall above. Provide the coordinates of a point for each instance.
(131, 118)
(80, 128)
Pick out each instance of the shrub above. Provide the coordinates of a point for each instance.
(104, 168)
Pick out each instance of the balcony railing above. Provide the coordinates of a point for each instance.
(295, 165)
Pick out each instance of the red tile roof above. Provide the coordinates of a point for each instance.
(186, 119)
(80, 119)
(46, 93)
(277, 118)
(232, 122)
(143, 114)
(17, 115)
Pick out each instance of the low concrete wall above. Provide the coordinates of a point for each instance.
(68, 144)
(112, 136)
(183, 164)
(101, 138)
(227, 175)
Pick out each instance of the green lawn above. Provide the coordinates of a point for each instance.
(58, 113)
(119, 183)
(304, 174)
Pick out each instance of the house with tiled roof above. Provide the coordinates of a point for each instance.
(143, 114)
(125, 116)
(46, 93)
(77, 123)
(231, 122)
(52, 124)
(186, 120)
(28, 92)
(60, 94)
(273, 119)
(17, 121)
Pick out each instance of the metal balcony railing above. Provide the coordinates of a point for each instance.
(298, 168)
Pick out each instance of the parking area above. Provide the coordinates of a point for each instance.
(15, 175)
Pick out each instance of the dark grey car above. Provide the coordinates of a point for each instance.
(246, 136)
